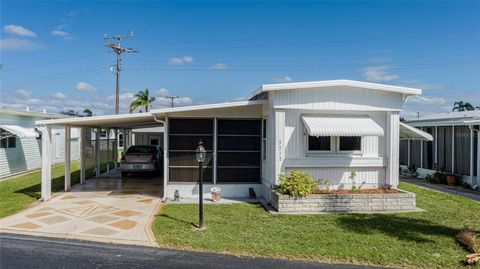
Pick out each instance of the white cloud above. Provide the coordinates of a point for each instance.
(378, 73)
(23, 93)
(59, 95)
(61, 33)
(85, 87)
(180, 61)
(18, 30)
(162, 92)
(15, 44)
(283, 79)
(218, 66)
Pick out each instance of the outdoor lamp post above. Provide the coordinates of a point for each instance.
(200, 154)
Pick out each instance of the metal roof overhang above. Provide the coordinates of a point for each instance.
(20, 131)
(138, 120)
(412, 133)
(341, 126)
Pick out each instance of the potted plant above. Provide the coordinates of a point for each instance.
(215, 191)
(451, 180)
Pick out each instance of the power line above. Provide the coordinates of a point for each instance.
(117, 48)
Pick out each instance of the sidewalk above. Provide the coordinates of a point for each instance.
(456, 190)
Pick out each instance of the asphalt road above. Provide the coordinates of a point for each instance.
(20, 251)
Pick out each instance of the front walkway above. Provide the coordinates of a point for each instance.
(105, 209)
(456, 190)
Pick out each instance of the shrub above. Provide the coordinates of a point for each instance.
(298, 184)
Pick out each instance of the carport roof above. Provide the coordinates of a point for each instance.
(137, 120)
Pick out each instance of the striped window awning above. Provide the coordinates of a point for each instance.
(19, 131)
(342, 126)
(412, 133)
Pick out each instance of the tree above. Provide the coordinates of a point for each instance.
(87, 112)
(461, 106)
(143, 99)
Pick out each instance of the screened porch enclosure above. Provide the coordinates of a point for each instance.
(450, 151)
(233, 150)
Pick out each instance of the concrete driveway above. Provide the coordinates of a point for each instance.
(106, 209)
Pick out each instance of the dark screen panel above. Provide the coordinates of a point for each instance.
(239, 127)
(462, 150)
(190, 142)
(235, 175)
(404, 152)
(191, 126)
(238, 143)
(189, 174)
(428, 150)
(182, 158)
(238, 159)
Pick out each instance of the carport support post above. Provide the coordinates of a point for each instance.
(46, 163)
(82, 155)
(97, 152)
(107, 131)
(68, 181)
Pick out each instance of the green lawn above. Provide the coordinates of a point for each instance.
(418, 239)
(17, 193)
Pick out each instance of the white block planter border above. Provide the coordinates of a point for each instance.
(344, 203)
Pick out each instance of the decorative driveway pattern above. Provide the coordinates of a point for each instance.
(104, 209)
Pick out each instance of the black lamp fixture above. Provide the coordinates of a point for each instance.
(200, 154)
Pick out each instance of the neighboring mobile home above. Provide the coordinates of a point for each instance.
(454, 149)
(20, 145)
(325, 128)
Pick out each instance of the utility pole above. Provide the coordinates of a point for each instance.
(172, 98)
(118, 50)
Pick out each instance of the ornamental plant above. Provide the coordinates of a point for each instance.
(298, 184)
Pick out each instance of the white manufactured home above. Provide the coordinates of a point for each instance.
(20, 141)
(325, 128)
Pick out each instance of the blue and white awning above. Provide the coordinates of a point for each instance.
(341, 126)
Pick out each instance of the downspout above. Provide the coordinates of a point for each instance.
(165, 167)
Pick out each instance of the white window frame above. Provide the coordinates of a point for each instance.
(352, 152)
(332, 146)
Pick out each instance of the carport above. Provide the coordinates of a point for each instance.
(240, 121)
(116, 123)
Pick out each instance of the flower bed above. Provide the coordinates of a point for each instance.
(361, 201)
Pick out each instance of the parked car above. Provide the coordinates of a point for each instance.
(142, 158)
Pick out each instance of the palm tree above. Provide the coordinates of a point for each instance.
(143, 99)
(461, 106)
(87, 112)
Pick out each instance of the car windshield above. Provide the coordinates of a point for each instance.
(141, 150)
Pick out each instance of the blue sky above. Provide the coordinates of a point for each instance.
(53, 55)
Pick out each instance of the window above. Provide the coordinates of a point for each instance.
(7, 140)
(319, 143)
(350, 143)
(264, 139)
